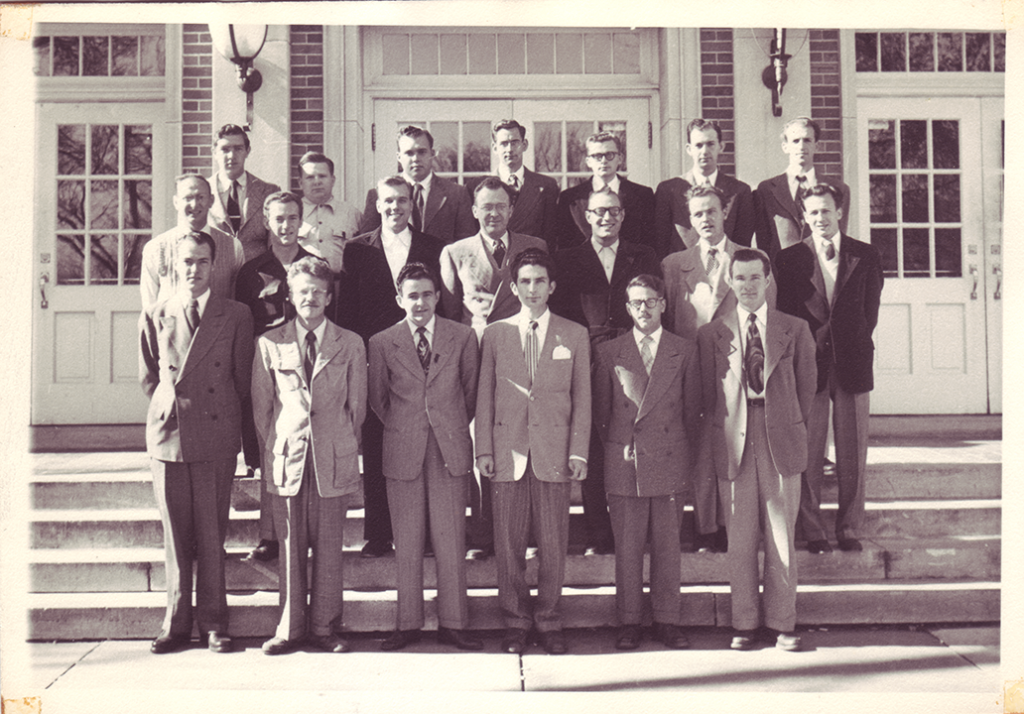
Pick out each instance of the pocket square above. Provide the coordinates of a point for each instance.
(561, 352)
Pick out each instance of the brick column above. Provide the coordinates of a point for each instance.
(307, 95)
(716, 89)
(826, 100)
(196, 100)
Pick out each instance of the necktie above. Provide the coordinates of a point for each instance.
(193, 315)
(645, 353)
(513, 183)
(309, 358)
(234, 210)
(531, 350)
(830, 250)
(801, 186)
(712, 261)
(417, 207)
(423, 348)
(499, 252)
(754, 358)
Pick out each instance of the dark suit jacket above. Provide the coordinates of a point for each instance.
(638, 227)
(584, 295)
(253, 234)
(842, 332)
(780, 222)
(449, 213)
(195, 388)
(672, 214)
(648, 425)
(534, 213)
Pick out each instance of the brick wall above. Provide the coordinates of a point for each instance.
(197, 100)
(826, 100)
(307, 94)
(716, 89)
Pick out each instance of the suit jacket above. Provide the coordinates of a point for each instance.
(584, 295)
(691, 302)
(448, 213)
(780, 222)
(365, 302)
(843, 330)
(159, 277)
(672, 212)
(638, 227)
(648, 424)
(253, 233)
(790, 377)
(195, 387)
(472, 284)
(293, 415)
(410, 403)
(534, 212)
(546, 421)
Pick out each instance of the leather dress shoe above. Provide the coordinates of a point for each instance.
(329, 643)
(400, 639)
(218, 641)
(744, 640)
(280, 646)
(515, 640)
(850, 545)
(628, 638)
(788, 641)
(553, 642)
(460, 639)
(165, 644)
(376, 549)
(818, 546)
(671, 636)
(266, 551)
(604, 547)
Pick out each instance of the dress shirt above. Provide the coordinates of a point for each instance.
(699, 180)
(598, 184)
(762, 327)
(606, 254)
(721, 256)
(327, 227)
(300, 333)
(396, 249)
(792, 173)
(504, 173)
(187, 298)
(489, 243)
(429, 327)
(655, 340)
(829, 268)
(224, 189)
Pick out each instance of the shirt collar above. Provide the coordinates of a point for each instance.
(224, 183)
(202, 300)
(792, 173)
(698, 179)
(504, 173)
(429, 327)
(388, 238)
(655, 336)
(489, 242)
(705, 246)
(308, 206)
(597, 184)
(819, 243)
(425, 183)
(319, 331)
(744, 315)
(598, 247)
(542, 321)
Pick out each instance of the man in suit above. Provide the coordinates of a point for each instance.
(780, 221)
(834, 283)
(309, 398)
(422, 385)
(440, 207)
(367, 306)
(758, 376)
(697, 292)
(533, 417)
(646, 411)
(329, 223)
(604, 156)
(195, 360)
(672, 213)
(592, 279)
(534, 195)
(238, 196)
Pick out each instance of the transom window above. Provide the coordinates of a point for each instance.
(560, 148)
(100, 55)
(931, 51)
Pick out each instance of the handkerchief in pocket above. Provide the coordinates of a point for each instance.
(561, 352)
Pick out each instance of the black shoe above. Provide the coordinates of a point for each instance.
(217, 641)
(553, 642)
(515, 640)
(329, 643)
(266, 551)
(818, 546)
(459, 639)
(850, 545)
(280, 646)
(376, 549)
(743, 640)
(601, 548)
(250, 472)
(721, 541)
(704, 542)
(828, 468)
(400, 639)
(629, 637)
(165, 644)
(671, 636)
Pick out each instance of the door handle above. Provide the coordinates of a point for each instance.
(974, 290)
(44, 278)
(998, 272)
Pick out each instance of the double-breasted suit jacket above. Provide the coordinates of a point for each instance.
(691, 300)
(253, 233)
(534, 208)
(448, 214)
(638, 226)
(780, 222)
(672, 212)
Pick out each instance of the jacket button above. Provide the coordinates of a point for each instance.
(210, 390)
(216, 364)
(312, 413)
(213, 417)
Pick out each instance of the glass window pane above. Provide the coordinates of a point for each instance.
(547, 145)
(540, 53)
(104, 149)
(894, 52)
(103, 259)
(978, 52)
(946, 144)
(915, 198)
(424, 54)
(511, 54)
(138, 149)
(913, 144)
(950, 52)
(596, 56)
(867, 52)
(947, 253)
(153, 56)
(41, 50)
(70, 259)
(569, 53)
(65, 56)
(922, 52)
(71, 204)
(947, 198)
(132, 251)
(575, 147)
(915, 253)
(482, 54)
(881, 143)
(884, 240)
(626, 53)
(453, 54)
(95, 61)
(476, 151)
(138, 204)
(619, 129)
(103, 204)
(395, 49)
(125, 55)
(999, 51)
(883, 198)
(70, 149)
(446, 144)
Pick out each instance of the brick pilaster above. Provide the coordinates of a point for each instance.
(197, 100)
(716, 89)
(307, 94)
(826, 100)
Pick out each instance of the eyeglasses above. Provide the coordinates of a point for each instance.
(614, 211)
(649, 303)
(606, 156)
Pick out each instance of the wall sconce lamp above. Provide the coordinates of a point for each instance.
(774, 75)
(241, 44)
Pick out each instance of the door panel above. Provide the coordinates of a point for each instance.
(992, 137)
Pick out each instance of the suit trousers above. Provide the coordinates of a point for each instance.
(194, 500)
(761, 505)
(595, 502)
(632, 517)
(376, 514)
(517, 506)
(850, 429)
(437, 492)
(303, 521)
(253, 459)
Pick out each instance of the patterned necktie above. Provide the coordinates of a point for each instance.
(754, 358)
(830, 250)
(712, 261)
(531, 350)
(645, 353)
(801, 186)
(309, 359)
(193, 315)
(499, 252)
(513, 183)
(417, 207)
(234, 210)
(423, 348)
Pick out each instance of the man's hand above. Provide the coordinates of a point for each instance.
(577, 469)
(486, 465)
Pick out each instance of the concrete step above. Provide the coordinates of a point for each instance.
(73, 616)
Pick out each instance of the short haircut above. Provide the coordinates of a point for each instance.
(651, 282)
(281, 197)
(492, 183)
(232, 130)
(507, 125)
(415, 132)
(703, 125)
(182, 178)
(701, 190)
(533, 256)
(804, 122)
(822, 189)
(313, 266)
(747, 255)
(394, 182)
(417, 271)
(604, 191)
(315, 157)
(603, 136)
(202, 238)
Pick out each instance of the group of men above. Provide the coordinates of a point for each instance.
(673, 364)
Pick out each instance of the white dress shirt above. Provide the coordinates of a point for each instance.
(606, 254)
(699, 180)
(829, 268)
(762, 327)
(792, 173)
(327, 227)
(396, 249)
(721, 256)
(224, 189)
(489, 243)
(300, 334)
(655, 341)
(428, 330)
(504, 174)
(598, 184)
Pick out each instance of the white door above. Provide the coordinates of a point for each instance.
(921, 205)
(993, 128)
(99, 187)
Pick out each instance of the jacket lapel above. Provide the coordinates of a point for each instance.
(623, 266)
(527, 198)
(374, 240)
(774, 345)
(847, 264)
(780, 188)
(441, 349)
(253, 197)
(405, 349)
(329, 349)
(629, 370)
(666, 365)
(729, 344)
(437, 198)
(817, 301)
(500, 277)
(210, 325)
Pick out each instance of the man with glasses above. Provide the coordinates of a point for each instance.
(604, 156)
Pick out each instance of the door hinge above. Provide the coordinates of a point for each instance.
(650, 135)
(373, 137)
